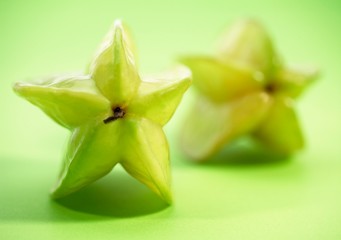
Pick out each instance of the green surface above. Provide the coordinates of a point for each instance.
(242, 195)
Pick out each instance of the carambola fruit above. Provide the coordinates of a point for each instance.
(244, 89)
(114, 116)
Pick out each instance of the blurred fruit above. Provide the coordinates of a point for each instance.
(244, 89)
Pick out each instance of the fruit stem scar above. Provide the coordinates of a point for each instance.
(117, 113)
(270, 88)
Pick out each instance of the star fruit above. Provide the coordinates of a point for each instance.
(244, 90)
(114, 117)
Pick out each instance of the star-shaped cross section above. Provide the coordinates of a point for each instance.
(114, 117)
(244, 89)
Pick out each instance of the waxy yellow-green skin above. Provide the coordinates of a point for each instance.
(244, 89)
(101, 137)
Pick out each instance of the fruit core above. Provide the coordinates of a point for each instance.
(117, 113)
(270, 88)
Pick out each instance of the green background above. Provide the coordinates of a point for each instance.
(242, 195)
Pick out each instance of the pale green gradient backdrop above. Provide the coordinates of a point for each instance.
(295, 199)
